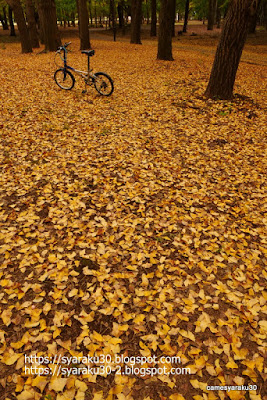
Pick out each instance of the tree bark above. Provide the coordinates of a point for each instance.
(165, 30)
(4, 19)
(218, 17)
(211, 14)
(48, 17)
(186, 13)
(153, 29)
(113, 20)
(173, 17)
(83, 26)
(120, 14)
(253, 23)
(230, 48)
(136, 20)
(90, 12)
(32, 24)
(11, 22)
(22, 27)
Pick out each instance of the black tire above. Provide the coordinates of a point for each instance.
(103, 83)
(64, 79)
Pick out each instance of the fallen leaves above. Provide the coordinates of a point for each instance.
(131, 225)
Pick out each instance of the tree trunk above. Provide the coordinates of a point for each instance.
(113, 19)
(73, 19)
(153, 29)
(41, 22)
(186, 13)
(253, 23)
(90, 12)
(4, 19)
(83, 26)
(22, 27)
(11, 22)
(218, 17)
(120, 14)
(173, 17)
(136, 20)
(165, 30)
(32, 24)
(211, 14)
(147, 13)
(48, 16)
(230, 48)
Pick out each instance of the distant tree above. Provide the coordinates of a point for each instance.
(186, 14)
(136, 20)
(165, 30)
(120, 9)
(11, 22)
(211, 14)
(25, 41)
(230, 47)
(83, 25)
(113, 19)
(153, 29)
(201, 8)
(173, 17)
(253, 24)
(3, 18)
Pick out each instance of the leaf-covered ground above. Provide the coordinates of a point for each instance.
(132, 225)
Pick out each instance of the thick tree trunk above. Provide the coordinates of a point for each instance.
(113, 19)
(32, 24)
(186, 13)
(48, 16)
(153, 29)
(83, 26)
(41, 29)
(136, 20)
(11, 22)
(230, 48)
(211, 14)
(22, 27)
(165, 30)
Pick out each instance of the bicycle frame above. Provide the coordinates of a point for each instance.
(84, 74)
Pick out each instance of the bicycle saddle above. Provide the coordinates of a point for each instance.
(88, 52)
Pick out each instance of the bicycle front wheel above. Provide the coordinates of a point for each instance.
(103, 83)
(64, 79)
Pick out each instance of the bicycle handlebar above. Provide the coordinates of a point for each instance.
(64, 47)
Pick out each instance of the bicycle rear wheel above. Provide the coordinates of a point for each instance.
(64, 79)
(103, 83)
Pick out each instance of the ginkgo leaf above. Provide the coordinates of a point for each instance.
(57, 384)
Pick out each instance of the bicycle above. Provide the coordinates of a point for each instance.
(65, 79)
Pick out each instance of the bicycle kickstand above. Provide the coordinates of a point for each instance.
(84, 90)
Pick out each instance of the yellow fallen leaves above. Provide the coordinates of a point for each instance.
(136, 231)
